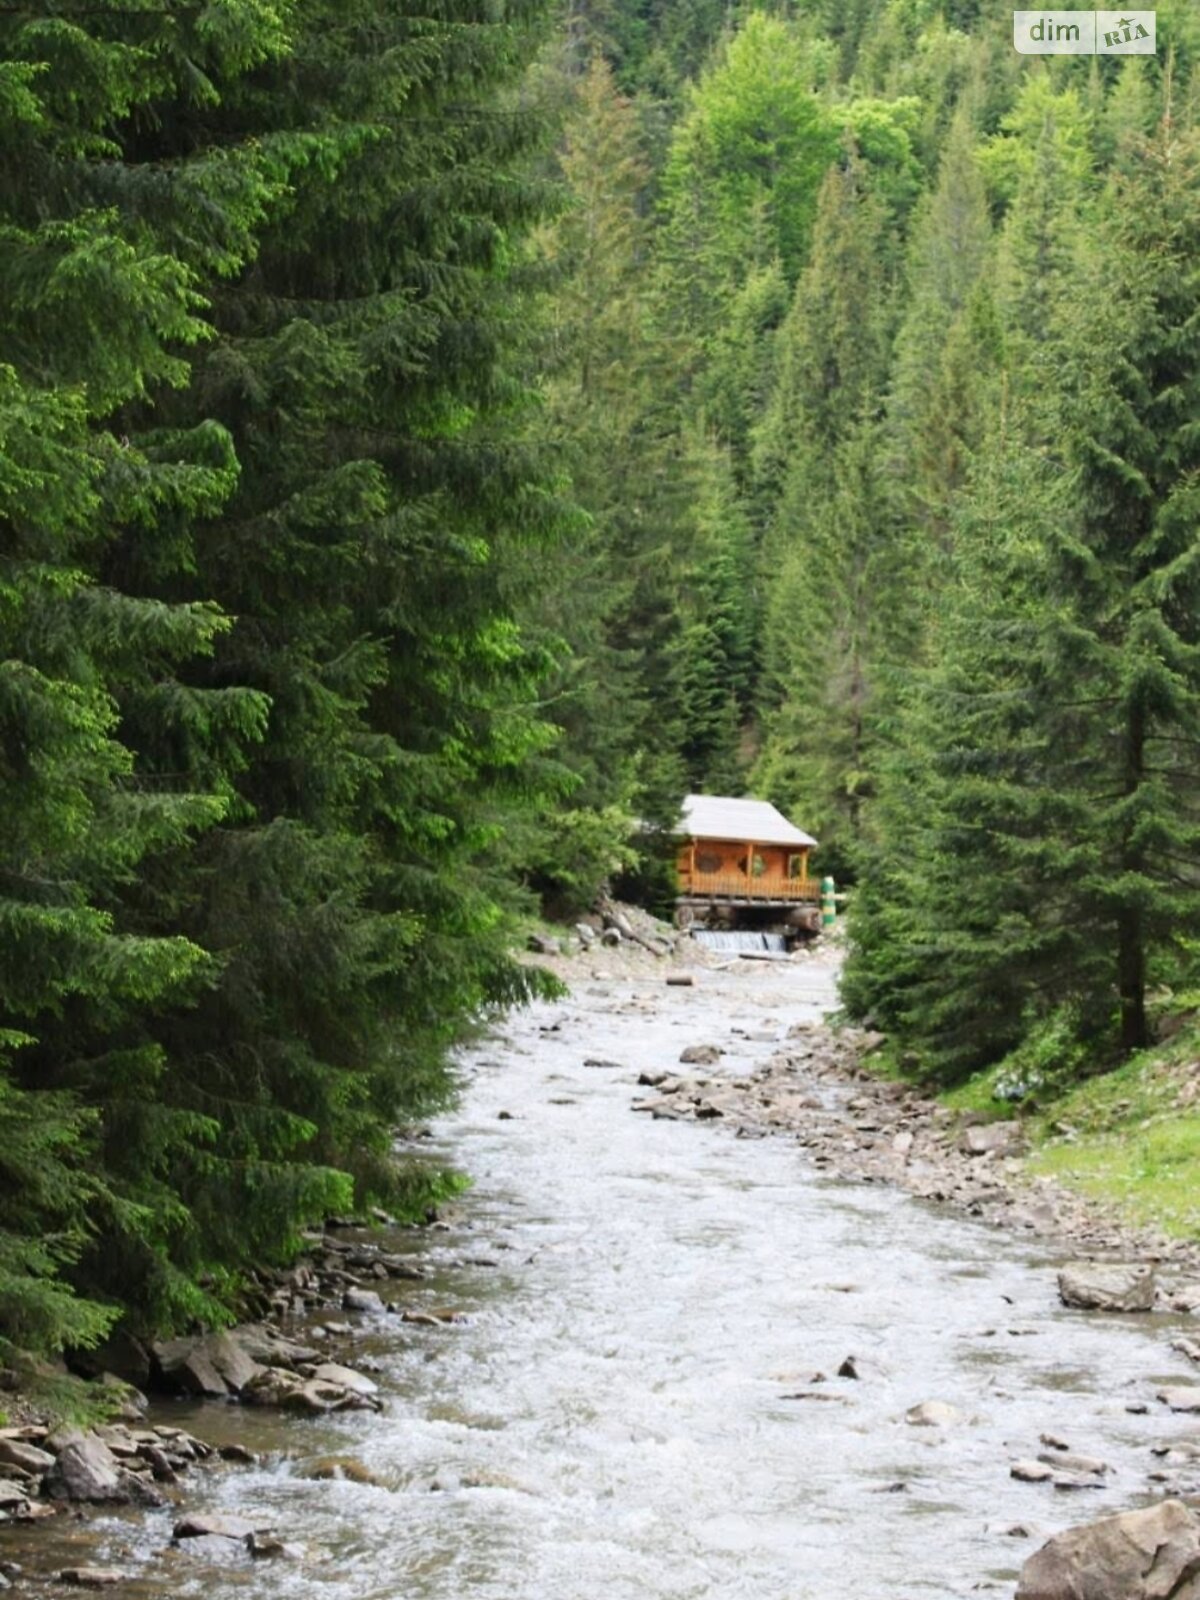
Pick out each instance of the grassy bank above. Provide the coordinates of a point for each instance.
(1129, 1137)
(1132, 1137)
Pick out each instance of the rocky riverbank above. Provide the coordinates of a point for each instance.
(819, 1091)
(345, 1280)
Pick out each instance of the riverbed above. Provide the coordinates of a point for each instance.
(612, 1416)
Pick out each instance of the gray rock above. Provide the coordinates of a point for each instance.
(270, 1349)
(1181, 1397)
(92, 1577)
(586, 934)
(86, 1469)
(542, 945)
(1140, 1555)
(185, 1364)
(215, 1364)
(1031, 1472)
(1102, 1286)
(702, 1055)
(12, 1495)
(17, 1453)
(204, 1525)
(272, 1386)
(266, 1547)
(215, 1549)
(990, 1138)
(611, 937)
(345, 1377)
(361, 1300)
(1067, 1461)
(933, 1414)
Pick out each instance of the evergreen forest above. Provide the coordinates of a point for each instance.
(435, 437)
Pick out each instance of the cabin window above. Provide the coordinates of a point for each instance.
(708, 861)
(796, 866)
(753, 865)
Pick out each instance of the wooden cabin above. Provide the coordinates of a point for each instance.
(741, 854)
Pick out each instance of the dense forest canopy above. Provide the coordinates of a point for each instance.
(434, 437)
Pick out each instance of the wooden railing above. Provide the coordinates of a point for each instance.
(737, 886)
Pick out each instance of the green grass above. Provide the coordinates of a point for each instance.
(978, 1094)
(1151, 1172)
(1129, 1137)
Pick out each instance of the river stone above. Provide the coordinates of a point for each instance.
(186, 1364)
(266, 1547)
(319, 1397)
(214, 1365)
(990, 1138)
(17, 1453)
(1101, 1286)
(92, 1577)
(1181, 1397)
(12, 1495)
(335, 1467)
(1030, 1472)
(206, 1525)
(216, 1549)
(933, 1414)
(1140, 1555)
(701, 1055)
(86, 1469)
(332, 1372)
(271, 1386)
(270, 1349)
(361, 1300)
(1067, 1461)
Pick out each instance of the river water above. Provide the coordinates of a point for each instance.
(611, 1421)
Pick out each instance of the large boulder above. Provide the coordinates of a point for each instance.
(1139, 1555)
(1107, 1286)
(86, 1469)
(120, 1354)
(214, 1364)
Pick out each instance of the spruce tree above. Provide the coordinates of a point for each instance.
(101, 265)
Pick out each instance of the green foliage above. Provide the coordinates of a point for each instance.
(392, 510)
(264, 709)
(1044, 757)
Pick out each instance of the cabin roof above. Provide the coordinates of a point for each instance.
(712, 816)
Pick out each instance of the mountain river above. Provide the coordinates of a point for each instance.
(610, 1419)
